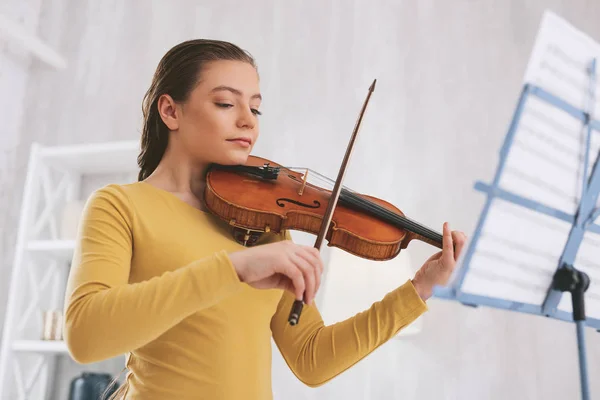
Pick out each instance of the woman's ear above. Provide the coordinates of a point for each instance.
(167, 108)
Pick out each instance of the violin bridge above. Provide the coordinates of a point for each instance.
(303, 183)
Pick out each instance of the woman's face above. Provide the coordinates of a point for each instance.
(219, 121)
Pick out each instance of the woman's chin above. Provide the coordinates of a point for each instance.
(234, 158)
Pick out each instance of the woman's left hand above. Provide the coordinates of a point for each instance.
(438, 268)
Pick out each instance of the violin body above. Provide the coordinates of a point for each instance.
(362, 225)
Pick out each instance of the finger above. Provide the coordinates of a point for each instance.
(447, 246)
(290, 270)
(317, 261)
(286, 283)
(312, 256)
(309, 277)
(459, 239)
(321, 266)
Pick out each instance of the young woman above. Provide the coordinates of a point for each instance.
(156, 276)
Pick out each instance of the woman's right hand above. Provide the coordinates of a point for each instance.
(281, 265)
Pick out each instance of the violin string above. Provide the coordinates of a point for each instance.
(359, 201)
(395, 218)
(405, 222)
(318, 177)
(390, 215)
(418, 228)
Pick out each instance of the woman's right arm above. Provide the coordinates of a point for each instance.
(105, 315)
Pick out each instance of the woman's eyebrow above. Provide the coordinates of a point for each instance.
(234, 91)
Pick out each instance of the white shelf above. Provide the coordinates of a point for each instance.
(40, 346)
(71, 163)
(61, 249)
(94, 158)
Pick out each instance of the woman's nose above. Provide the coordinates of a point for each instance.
(246, 119)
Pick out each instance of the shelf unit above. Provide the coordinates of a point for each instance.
(57, 177)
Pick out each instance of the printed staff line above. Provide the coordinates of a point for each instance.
(580, 66)
(542, 185)
(593, 275)
(520, 247)
(582, 261)
(587, 264)
(592, 270)
(553, 161)
(556, 145)
(568, 78)
(576, 87)
(559, 127)
(552, 48)
(576, 168)
(592, 239)
(492, 277)
(515, 211)
(529, 268)
(592, 296)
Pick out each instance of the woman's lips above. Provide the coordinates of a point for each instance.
(244, 142)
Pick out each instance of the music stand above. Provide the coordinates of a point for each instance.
(536, 236)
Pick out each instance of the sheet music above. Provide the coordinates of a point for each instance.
(516, 255)
(545, 161)
(559, 61)
(519, 249)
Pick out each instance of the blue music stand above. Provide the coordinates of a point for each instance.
(566, 277)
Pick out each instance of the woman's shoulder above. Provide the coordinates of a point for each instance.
(113, 191)
(114, 195)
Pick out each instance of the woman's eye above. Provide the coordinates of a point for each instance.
(227, 105)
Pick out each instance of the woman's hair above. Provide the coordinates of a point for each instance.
(177, 74)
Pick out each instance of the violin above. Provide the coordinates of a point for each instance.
(262, 196)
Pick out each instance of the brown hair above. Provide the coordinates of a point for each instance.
(177, 74)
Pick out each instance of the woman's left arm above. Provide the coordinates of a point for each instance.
(316, 353)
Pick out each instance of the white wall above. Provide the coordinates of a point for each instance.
(449, 74)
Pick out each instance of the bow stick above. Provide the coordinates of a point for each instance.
(335, 194)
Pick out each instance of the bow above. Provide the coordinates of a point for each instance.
(335, 194)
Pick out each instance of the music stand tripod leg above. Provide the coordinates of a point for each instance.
(569, 279)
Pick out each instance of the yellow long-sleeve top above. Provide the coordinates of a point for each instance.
(151, 278)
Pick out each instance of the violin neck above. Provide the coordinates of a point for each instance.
(419, 231)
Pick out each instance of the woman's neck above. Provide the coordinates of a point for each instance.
(178, 174)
